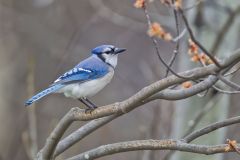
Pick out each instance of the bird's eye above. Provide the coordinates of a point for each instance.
(109, 51)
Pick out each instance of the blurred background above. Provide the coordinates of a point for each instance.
(41, 39)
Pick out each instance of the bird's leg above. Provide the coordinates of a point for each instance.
(87, 104)
(93, 105)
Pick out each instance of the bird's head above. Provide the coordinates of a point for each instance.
(108, 54)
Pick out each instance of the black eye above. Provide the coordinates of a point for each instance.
(110, 51)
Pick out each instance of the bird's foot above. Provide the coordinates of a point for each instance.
(91, 103)
(90, 106)
(89, 110)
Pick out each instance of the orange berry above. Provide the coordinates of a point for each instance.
(187, 84)
(193, 48)
(156, 30)
(178, 4)
(139, 3)
(195, 58)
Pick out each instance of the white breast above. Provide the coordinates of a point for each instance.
(87, 89)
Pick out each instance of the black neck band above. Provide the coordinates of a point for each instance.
(104, 60)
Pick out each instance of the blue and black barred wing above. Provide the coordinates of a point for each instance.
(79, 74)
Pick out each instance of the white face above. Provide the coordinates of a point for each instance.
(111, 59)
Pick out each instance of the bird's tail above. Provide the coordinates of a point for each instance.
(43, 93)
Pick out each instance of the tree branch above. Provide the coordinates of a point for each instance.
(224, 30)
(212, 127)
(95, 124)
(195, 40)
(155, 43)
(150, 145)
(171, 94)
(177, 145)
(82, 132)
(55, 136)
(229, 83)
(196, 120)
(176, 50)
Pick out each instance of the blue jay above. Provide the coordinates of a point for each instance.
(87, 78)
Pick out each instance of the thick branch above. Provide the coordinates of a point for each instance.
(81, 133)
(95, 124)
(132, 102)
(171, 94)
(150, 145)
(55, 136)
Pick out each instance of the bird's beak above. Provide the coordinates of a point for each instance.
(119, 50)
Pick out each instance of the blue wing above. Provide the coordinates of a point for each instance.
(78, 75)
(88, 69)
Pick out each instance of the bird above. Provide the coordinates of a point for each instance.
(87, 78)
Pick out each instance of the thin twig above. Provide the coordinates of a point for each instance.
(195, 40)
(224, 30)
(176, 50)
(229, 83)
(234, 70)
(212, 127)
(157, 50)
(224, 91)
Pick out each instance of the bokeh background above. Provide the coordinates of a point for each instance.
(41, 39)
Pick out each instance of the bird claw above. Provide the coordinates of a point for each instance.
(90, 106)
(89, 110)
